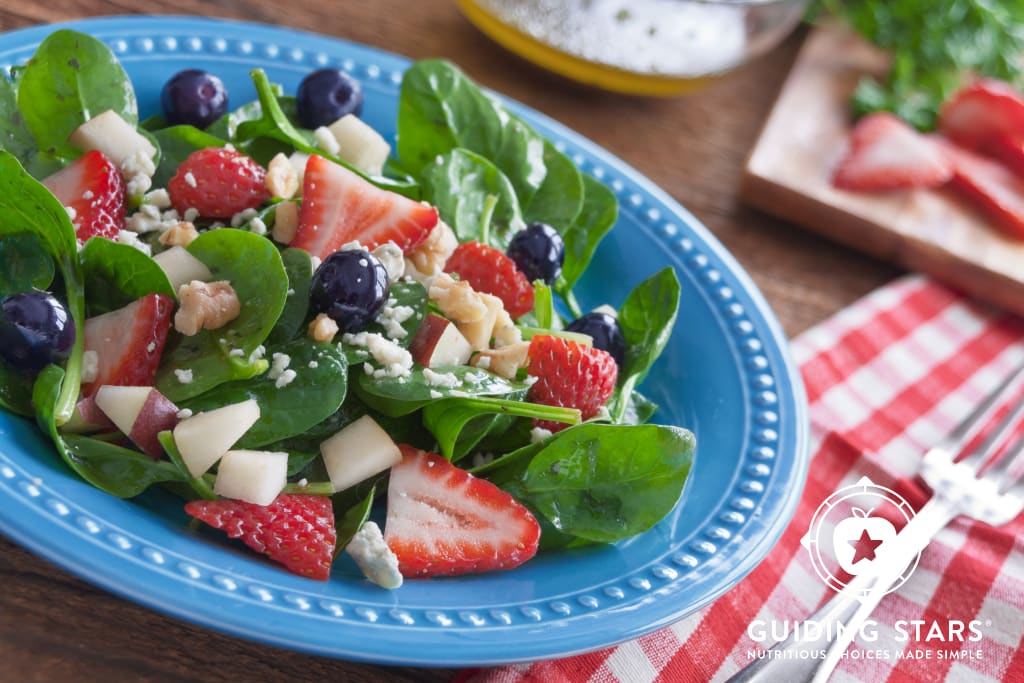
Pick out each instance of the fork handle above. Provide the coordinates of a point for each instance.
(798, 660)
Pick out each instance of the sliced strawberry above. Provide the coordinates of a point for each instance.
(489, 270)
(982, 111)
(1009, 150)
(92, 186)
(571, 375)
(218, 183)
(296, 530)
(339, 207)
(128, 342)
(442, 520)
(991, 187)
(887, 154)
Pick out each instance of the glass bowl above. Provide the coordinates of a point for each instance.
(641, 47)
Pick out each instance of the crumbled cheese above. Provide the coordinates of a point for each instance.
(483, 362)
(441, 379)
(285, 379)
(90, 366)
(279, 363)
(391, 318)
(243, 217)
(151, 347)
(184, 376)
(481, 459)
(236, 353)
(373, 556)
(257, 226)
(538, 434)
(72, 214)
(190, 215)
(87, 195)
(312, 365)
(190, 179)
(530, 380)
(158, 198)
(184, 414)
(434, 393)
(324, 139)
(139, 184)
(257, 353)
(395, 360)
(132, 240)
(302, 482)
(316, 262)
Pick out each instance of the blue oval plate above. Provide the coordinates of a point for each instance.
(726, 374)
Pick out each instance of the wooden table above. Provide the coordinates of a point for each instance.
(55, 627)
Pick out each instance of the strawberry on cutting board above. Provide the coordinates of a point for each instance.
(128, 342)
(885, 153)
(489, 270)
(442, 520)
(218, 183)
(339, 207)
(571, 375)
(991, 187)
(296, 530)
(982, 112)
(93, 188)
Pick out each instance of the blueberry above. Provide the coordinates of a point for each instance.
(35, 330)
(351, 287)
(538, 251)
(326, 95)
(605, 331)
(194, 97)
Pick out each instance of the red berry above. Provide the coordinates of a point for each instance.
(490, 271)
(571, 375)
(296, 530)
(218, 183)
(94, 189)
(885, 153)
(982, 111)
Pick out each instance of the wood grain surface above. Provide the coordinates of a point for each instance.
(57, 628)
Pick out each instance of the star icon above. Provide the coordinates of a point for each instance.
(864, 547)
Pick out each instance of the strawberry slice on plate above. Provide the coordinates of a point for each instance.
(218, 183)
(990, 187)
(93, 188)
(982, 111)
(128, 342)
(442, 520)
(338, 207)
(490, 271)
(885, 153)
(296, 530)
(571, 375)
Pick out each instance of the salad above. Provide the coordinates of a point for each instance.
(266, 311)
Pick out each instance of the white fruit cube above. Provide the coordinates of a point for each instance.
(361, 145)
(439, 343)
(113, 136)
(203, 438)
(360, 450)
(253, 476)
(182, 267)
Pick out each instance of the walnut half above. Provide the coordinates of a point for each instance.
(205, 306)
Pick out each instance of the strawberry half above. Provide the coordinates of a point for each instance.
(92, 186)
(218, 183)
(339, 207)
(296, 530)
(442, 520)
(982, 111)
(128, 342)
(887, 154)
(571, 375)
(991, 187)
(490, 271)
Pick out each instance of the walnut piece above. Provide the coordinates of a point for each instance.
(282, 179)
(286, 222)
(205, 306)
(323, 328)
(427, 259)
(180, 234)
(505, 361)
(456, 299)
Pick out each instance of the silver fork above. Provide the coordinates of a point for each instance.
(994, 495)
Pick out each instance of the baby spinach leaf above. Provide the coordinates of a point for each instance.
(71, 78)
(299, 267)
(14, 136)
(396, 396)
(114, 275)
(473, 197)
(354, 517)
(24, 264)
(595, 219)
(175, 144)
(15, 390)
(289, 410)
(646, 318)
(403, 294)
(560, 197)
(604, 483)
(253, 266)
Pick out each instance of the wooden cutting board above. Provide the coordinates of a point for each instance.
(788, 174)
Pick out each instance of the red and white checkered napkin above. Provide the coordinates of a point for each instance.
(885, 379)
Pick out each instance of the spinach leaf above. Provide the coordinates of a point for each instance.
(604, 483)
(111, 468)
(595, 219)
(299, 267)
(317, 391)
(473, 197)
(403, 294)
(26, 206)
(71, 78)
(396, 396)
(352, 520)
(447, 419)
(24, 264)
(175, 144)
(253, 266)
(14, 136)
(15, 390)
(560, 197)
(114, 275)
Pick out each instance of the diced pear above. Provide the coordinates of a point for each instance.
(439, 343)
(298, 161)
(181, 267)
(361, 145)
(203, 438)
(141, 413)
(113, 136)
(360, 450)
(253, 476)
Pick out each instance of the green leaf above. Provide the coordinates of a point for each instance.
(299, 267)
(24, 264)
(403, 294)
(198, 484)
(396, 396)
(646, 319)
(254, 268)
(560, 197)
(175, 144)
(15, 390)
(14, 136)
(352, 520)
(115, 275)
(317, 391)
(71, 78)
(596, 217)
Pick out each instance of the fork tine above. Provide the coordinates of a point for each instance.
(1002, 472)
(996, 438)
(972, 425)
